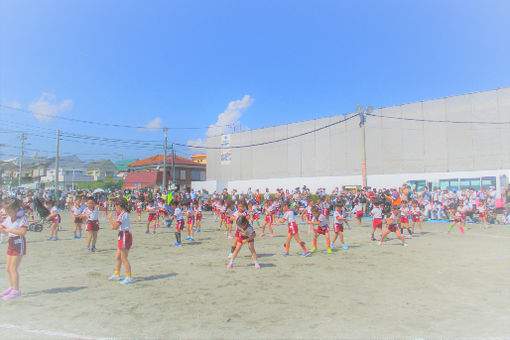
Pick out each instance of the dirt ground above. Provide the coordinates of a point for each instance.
(441, 286)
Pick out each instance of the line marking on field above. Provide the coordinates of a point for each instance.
(51, 333)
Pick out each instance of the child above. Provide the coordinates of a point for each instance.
(457, 219)
(392, 226)
(139, 206)
(55, 219)
(358, 211)
(229, 212)
(125, 240)
(179, 225)
(151, 218)
(246, 235)
(76, 210)
(222, 214)
(404, 219)
(190, 214)
(416, 216)
(377, 215)
(268, 221)
(255, 213)
(340, 218)
(91, 214)
(198, 215)
(241, 211)
(15, 225)
(321, 222)
(482, 213)
(289, 216)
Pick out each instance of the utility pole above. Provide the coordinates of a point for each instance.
(21, 155)
(362, 112)
(164, 158)
(173, 165)
(57, 162)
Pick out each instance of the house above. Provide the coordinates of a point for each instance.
(123, 168)
(148, 172)
(70, 171)
(200, 158)
(101, 169)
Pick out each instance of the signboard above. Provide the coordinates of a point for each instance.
(226, 150)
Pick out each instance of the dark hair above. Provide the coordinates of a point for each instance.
(174, 203)
(123, 204)
(242, 222)
(12, 203)
(91, 198)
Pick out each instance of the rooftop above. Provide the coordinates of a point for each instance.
(158, 160)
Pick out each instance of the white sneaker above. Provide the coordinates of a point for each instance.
(114, 277)
(405, 244)
(230, 255)
(380, 243)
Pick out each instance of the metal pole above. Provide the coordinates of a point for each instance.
(56, 162)
(21, 154)
(363, 150)
(164, 159)
(173, 164)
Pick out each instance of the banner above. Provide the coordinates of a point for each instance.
(226, 150)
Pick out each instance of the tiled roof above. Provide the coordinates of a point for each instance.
(158, 160)
(143, 178)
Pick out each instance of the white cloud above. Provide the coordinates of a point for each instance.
(47, 106)
(14, 104)
(226, 120)
(154, 124)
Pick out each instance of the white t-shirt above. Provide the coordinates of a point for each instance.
(76, 210)
(92, 214)
(323, 222)
(123, 218)
(21, 222)
(178, 214)
(289, 216)
(377, 212)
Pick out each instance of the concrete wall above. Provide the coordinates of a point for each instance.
(393, 146)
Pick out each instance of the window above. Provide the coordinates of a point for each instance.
(183, 175)
(449, 183)
(473, 183)
(195, 175)
(488, 182)
(202, 175)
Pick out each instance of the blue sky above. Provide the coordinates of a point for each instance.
(131, 62)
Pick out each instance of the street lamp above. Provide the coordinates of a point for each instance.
(362, 112)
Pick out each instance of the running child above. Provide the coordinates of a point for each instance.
(340, 217)
(268, 221)
(357, 211)
(15, 226)
(246, 235)
(392, 226)
(151, 217)
(125, 241)
(290, 217)
(322, 228)
(377, 215)
(76, 210)
(139, 206)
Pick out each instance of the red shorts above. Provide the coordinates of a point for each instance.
(224, 218)
(92, 226)
(404, 219)
(139, 211)
(151, 217)
(255, 216)
(56, 219)
(309, 217)
(482, 215)
(323, 230)
(377, 223)
(338, 228)
(190, 221)
(293, 229)
(392, 228)
(125, 240)
(325, 212)
(179, 225)
(359, 213)
(199, 217)
(269, 219)
(241, 238)
(17, 246)
(416, 218)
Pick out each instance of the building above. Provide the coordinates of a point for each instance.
(123, 168)
(101, 169)
(401, 145)
(71, 170)
(199, 158)
(148, 172)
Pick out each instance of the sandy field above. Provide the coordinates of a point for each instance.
(441, 286)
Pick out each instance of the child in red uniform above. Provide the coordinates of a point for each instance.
(198, 215)
(139, 206)
(268, 221)
(151, 217)
(405, 213)
(90, 213)
(190, 219)
(179, 225)
(322, 228)
(377, 215)
(125, 240)
(15, 225)
(338, 227)
(246, 235)
(457, 219)
(392, 226)
(416, 215)
(55, 219)
(290, 217)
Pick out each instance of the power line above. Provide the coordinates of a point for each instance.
(271, 141)
(90, 122)
(438, 121)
